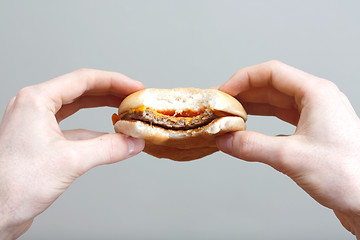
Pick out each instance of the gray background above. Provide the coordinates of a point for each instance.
(180, 44)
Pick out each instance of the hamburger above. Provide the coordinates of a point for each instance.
(181, 123)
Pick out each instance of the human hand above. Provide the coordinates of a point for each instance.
(38, 161)
(323, 155)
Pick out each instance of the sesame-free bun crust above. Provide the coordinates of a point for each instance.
(181, 145)
(183, 99)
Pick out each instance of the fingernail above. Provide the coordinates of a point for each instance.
(224, 142)
(135, 145)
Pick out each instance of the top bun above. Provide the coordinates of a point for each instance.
(182, 99)
(181, 145)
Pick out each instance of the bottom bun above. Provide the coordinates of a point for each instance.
(178, 154)
(180, 145)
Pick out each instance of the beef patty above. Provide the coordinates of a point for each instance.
(171, 122)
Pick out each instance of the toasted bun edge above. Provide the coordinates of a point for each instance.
(183, 99)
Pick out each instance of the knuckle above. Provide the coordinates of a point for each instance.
(10, 103)
(287, 158)
(331, 86)
(25, 92)
(245, 145)
(275, 64)
(282, 157)
(28, 95)
(84, 73)
(325, 88)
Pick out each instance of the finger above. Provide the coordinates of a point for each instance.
(9, 107)
(284, 78)
(288, 115)
(81, 134)
(269, 96)
(10, 104)
(214, 87)
(4, 122)
(65, 89)
(87, 102)
(252, 146)
(105, 149)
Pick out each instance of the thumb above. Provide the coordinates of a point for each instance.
(252, 146)
(106, 149)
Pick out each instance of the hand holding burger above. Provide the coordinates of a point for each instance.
(323, 155)
(38, 161)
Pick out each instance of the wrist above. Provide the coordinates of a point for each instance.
(9, 227)
(355, 225)
(13, 231)
(350, 221)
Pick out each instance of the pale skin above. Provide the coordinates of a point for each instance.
(323, 155)
(38, 161)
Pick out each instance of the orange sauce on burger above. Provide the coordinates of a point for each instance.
(186, 113)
